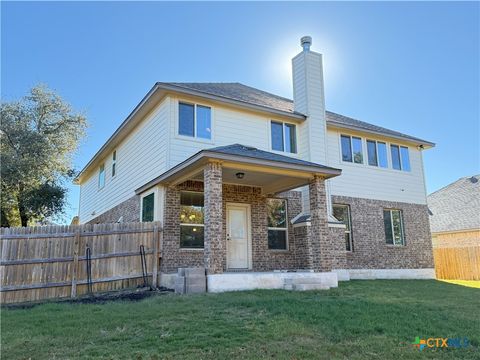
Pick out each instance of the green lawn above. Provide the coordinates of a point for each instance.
(359, 320)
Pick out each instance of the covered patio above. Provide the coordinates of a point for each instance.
(238, 184)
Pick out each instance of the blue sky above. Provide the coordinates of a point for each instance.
(412, 67)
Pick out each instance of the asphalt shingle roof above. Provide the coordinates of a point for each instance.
(456, 206)
(250, 95)
(252, 152)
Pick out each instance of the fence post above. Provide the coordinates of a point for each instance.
(155, 257)
(76, 249)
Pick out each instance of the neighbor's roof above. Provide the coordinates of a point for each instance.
(244, 155)
(247, 94)
(238, 95)
(456, 206)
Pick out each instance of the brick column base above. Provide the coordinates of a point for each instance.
(321, 248)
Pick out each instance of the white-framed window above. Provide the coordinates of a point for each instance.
(342, 214)
(191, 220)
(194, 120)
(377, 153)
(277, 224)
(352, 149)
(400, 157)
(393, 221)
(283, 136)
(101, 176)
(114, 163)
(148, 207)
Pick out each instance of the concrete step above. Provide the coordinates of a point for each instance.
(195, 272)
(306, 287)
(180, 285)
(196, 289)
(305, 280)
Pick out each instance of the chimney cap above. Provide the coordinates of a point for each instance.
(306, 42)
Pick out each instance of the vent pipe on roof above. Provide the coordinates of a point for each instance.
(306, 42)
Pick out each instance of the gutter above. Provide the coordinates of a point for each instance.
(399, 137)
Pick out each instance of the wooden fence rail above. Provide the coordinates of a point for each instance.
(46, 262)
(461, 263)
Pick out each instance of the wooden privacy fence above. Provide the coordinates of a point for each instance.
(46, 262)
(462, 263)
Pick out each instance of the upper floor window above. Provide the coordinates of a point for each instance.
(277, 224)
(191, 220)
(393, 221)
(377, 153)
(284, 137)
(101, 176)
(195, 120)
(114, 163)
(352, 149)
(342, 213)
(400, 157)
(148, 207)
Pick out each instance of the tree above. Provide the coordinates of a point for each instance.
(38, 136)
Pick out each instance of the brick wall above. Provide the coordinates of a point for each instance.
(370, 248)
(262, 258)
(337, 237)
(129, 209)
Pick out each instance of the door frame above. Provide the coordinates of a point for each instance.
(249, 232)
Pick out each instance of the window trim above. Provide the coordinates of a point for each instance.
(195, 127)
(284, 123)
(367, 140)
(114, 163)
(101, 170)
(352, 153)
(350, 232)
(388, 145)
(400, 211)
(400, 160)
(155, 202)
(286, 228)
(197, 225)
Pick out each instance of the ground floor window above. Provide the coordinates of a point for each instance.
(191, 220)
(393, 220)
(342, 214)
(148, 207)
(277, 224)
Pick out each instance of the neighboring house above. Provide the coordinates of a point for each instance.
(455, 214)
(247, 181)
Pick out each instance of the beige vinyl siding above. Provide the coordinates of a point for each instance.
(371, 182)
(229, 126)
(140, 157)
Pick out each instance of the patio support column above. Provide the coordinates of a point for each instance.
(321, 252)
(214, 243)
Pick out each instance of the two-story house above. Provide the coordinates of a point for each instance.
(247, 182)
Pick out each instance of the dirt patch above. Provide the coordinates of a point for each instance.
(99, 298)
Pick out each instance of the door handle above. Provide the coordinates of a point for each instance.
(228, 237)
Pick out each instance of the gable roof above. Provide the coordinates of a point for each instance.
(236, 94)
(250, 95)
(252, 152)
(242, 155)
(456, 206)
